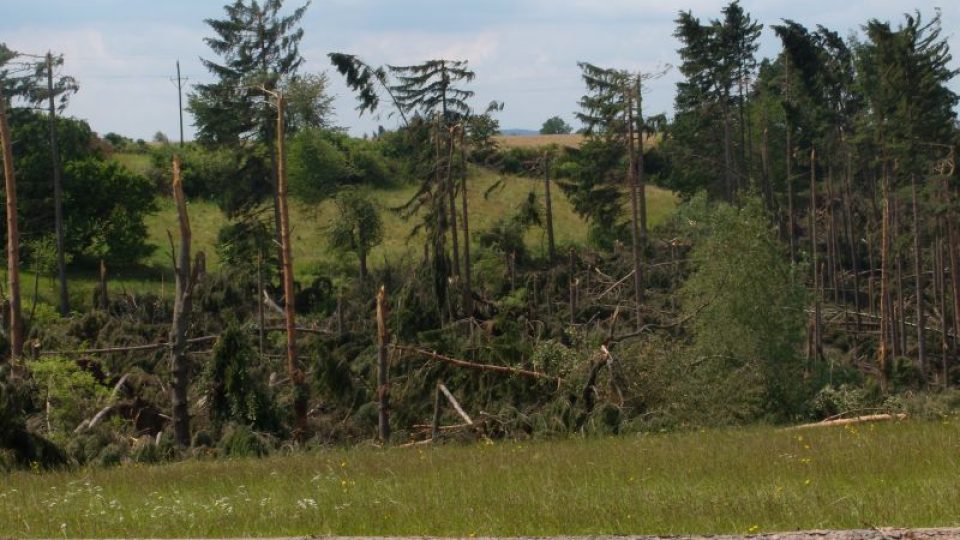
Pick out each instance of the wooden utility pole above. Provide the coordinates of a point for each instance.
(300, 390)
(57, 193)
(383, 375)
(180, 101)
(182, 304)
(13, 234)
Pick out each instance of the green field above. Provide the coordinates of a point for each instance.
(758, 479)
(309, 224)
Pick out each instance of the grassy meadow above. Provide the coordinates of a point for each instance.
(310, 223)
(724, 481)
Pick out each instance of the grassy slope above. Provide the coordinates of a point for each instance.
(309, 223)
(901, 474)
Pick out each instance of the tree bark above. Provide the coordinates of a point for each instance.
(635, 205)
(57, 194)
(467, 271)
(918, 279)
(548, 205)
(451, 196)
(300, 389)
(13, 234)
(383, 376)
(885, 318)
(182, 305)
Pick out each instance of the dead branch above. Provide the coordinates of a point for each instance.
(471, 365)
(131, 348)
(854, 420)
(456, 405)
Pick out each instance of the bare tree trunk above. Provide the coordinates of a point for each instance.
(918, 271)
(765, 170)
(467, 271)
(182, 305)
(57, 194)
(451, 196)
(789, 179)
(940, 282)
(954, 276)
(104, 293)
(815, 263)
(301, 392)
(13, 234)
(548, 205)
(261, 319)
(728, 176)
(885, 311)
(635, 208)
(383, 378)
(852, 239)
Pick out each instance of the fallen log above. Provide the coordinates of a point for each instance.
(854, 420)
(472, 365)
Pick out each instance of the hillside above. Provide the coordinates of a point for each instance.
(310, 223)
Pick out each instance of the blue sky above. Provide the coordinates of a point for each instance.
(524, 52)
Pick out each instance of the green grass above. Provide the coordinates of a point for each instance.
(896, 474)
(310, 223)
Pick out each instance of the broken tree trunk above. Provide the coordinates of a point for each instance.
(13, 235)
(182, 303)
(383, 382)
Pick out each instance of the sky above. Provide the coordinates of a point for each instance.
(524, 52)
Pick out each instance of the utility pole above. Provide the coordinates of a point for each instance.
(180, 101)
(57, 193)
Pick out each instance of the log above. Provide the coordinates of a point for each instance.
(854, 420)
(456, 405)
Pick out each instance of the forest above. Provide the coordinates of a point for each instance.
(781, 248)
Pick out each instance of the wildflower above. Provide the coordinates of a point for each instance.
(753, 529)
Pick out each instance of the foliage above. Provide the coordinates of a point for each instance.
(555, 126)
(235, 392)
(358, 227)
(747, 304)
(116, 202)
(321, 161)
(105, 204)
(258, 46)
(70, 393)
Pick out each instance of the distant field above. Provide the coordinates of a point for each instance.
(729, 481)
(572, 140)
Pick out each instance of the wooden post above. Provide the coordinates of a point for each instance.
(13, 234)
(383, 380)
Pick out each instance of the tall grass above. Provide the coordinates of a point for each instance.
(759, 479)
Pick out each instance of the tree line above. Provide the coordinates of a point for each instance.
(810, 269)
